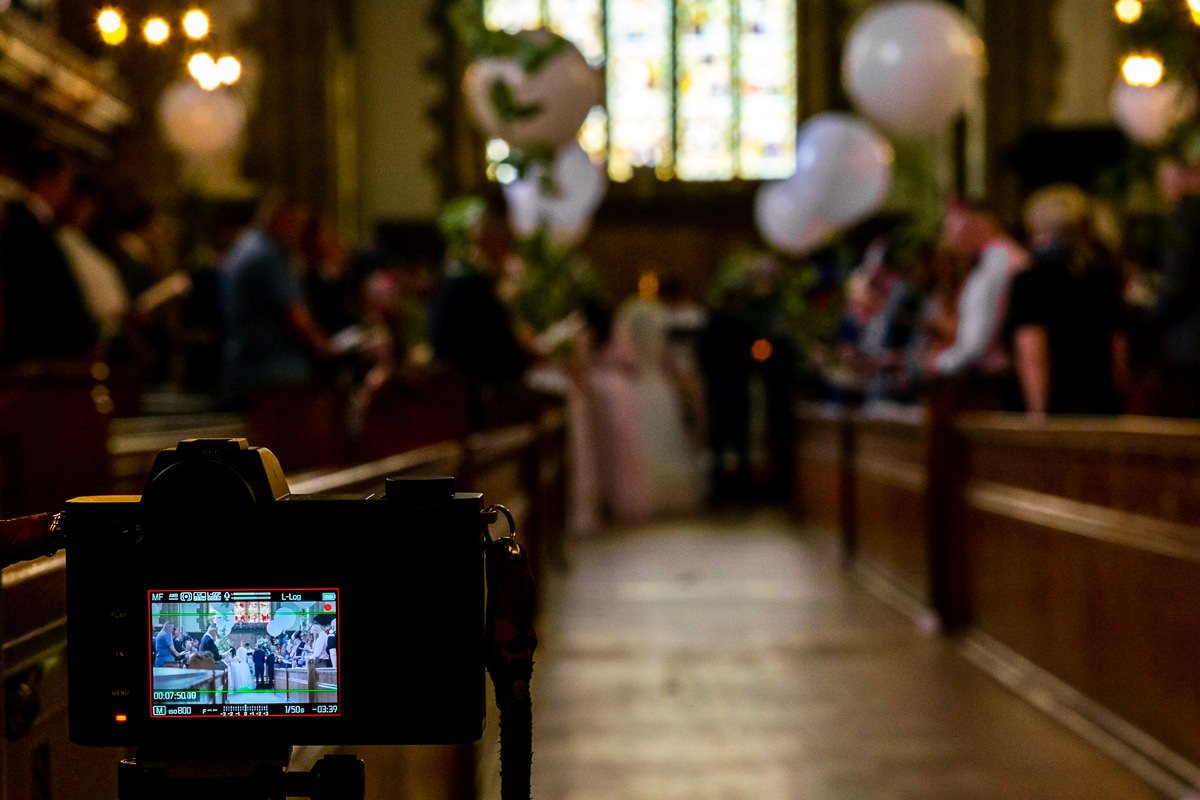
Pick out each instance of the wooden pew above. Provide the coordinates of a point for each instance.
(134, 442)
(1082, 556)
(1066, 556)
(305, 427)
(864, 480)
(520, 466)
(822, 473)
(36, 758)
(53, 437)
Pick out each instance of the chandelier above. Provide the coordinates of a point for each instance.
(209, 71)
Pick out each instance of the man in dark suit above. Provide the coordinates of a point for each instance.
(42, 312)
(260, 667)
(208, 644)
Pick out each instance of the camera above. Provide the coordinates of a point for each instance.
(314, 619)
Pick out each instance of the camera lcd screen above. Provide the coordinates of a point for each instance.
(243, 652)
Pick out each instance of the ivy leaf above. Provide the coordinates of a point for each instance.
(505, 102)
(532, 56)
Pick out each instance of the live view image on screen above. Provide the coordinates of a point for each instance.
(243, 652)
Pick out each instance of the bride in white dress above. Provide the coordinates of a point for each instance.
(240, 677)
(676, 483)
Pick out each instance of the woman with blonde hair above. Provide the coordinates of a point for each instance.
(1066, 316)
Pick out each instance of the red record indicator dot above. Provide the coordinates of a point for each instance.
(329, 607)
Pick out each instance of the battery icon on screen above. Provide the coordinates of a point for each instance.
(329, 595)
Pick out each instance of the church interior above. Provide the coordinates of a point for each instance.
(838, 362)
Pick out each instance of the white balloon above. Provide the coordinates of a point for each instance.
(275, 627)
(843, 175)
(286, 617)
(787, 223)
(563, 206)
(562, 92)
(200, 123)
(912, 65)
(843, 168)
(1147, 114)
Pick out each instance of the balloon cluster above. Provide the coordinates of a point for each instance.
(843, 175)
(559, 201)
(1148, 114)
(910, 67)
(536, 99)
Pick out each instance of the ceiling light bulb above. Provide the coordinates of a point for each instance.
(195, 24)
(156, 30)
(1128, 11)
(109, 20)
(201, 64)
(1142, 69)
(229, 69)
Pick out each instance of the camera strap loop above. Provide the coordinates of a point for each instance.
(511, 641)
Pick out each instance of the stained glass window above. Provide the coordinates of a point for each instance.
(699, 90)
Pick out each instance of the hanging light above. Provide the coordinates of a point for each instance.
(1142, 69)
(1129, 11)
(156, 30)
(111, 24)
(1194, 7)
(195, 24)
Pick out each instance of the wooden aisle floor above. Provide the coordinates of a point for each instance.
(730, 659)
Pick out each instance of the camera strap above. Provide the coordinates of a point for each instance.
(511, 642)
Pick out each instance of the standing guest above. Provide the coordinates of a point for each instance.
(164, 645)
(320, 643)
(469, 326)
(43, 314)
(100, 282)
(208, 643)
(1177, 311)
(331, 645)
(725, 356)
(327, 283)
(260, 666)
(270, 662)
(272, 337)
(972, 233)
(1066, 315)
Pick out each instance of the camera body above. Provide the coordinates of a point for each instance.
(330, 619)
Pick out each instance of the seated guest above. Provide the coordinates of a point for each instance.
(1066, 315)
(1176, 311)
(272, 337)
(43, 314)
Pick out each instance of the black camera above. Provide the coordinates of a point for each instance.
(312, 619)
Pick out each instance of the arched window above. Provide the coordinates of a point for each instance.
(698, 90)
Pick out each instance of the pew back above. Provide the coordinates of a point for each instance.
(1068, 551)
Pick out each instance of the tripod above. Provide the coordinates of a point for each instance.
(194, 775)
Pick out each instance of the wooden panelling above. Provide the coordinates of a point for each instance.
(1083, 556)
(820, 453)
(1073, 544)
(890, 486)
